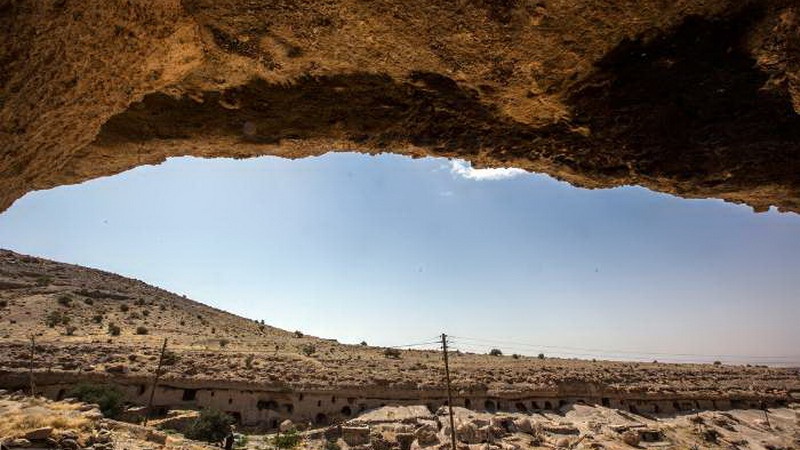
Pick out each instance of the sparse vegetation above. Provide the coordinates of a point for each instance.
(54, 318)
(496, 352)
(141, 329)
(298, 334)
(212, 426)
(515, 356)
(44, 280)
(107, 397)
(224, 342)
(170, 358)
(286, 440)
(308, 349)
(391, 353)
(65, 300)
(114, 329)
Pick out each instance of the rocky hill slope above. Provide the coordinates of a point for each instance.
(89, 321)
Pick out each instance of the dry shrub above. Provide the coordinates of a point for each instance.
(20, 422)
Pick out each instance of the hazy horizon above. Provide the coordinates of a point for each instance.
(393, 251)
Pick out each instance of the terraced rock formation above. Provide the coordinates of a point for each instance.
(698, 98)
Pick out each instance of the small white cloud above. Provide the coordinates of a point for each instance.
(464, 169)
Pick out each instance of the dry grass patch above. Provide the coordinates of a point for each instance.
(19, 422)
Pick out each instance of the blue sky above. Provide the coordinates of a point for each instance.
(393, 250)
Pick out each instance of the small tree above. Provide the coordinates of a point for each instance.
(363, 343)
(114, 329)
(211, 426)
(308, 349)
(107, 397)
(496, 352)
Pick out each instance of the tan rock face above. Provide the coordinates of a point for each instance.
(698, 98)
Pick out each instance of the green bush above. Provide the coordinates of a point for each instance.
(211, 426)
(170, 358)
(54, 318)
(108, 397)
(114, 329)
(308, 349)
(286, 440)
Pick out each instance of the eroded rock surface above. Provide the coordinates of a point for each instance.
(697, 98)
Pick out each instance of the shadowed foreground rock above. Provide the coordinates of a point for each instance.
(696, 98)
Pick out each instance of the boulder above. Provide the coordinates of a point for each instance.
(405, 440)
(353, 435)
(19, 443)
(69, 444)
(286, 426)
(426, 435)
(631, 438)
(523, 425)
(39, 434)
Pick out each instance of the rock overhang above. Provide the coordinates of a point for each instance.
(698, 100)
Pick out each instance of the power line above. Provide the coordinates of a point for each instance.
(479, 341)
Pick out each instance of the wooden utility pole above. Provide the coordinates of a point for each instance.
(155, 382)
(449, 395)
(30, 366)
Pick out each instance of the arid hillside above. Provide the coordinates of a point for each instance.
(73, 313)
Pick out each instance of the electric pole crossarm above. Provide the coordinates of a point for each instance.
(449, 393)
